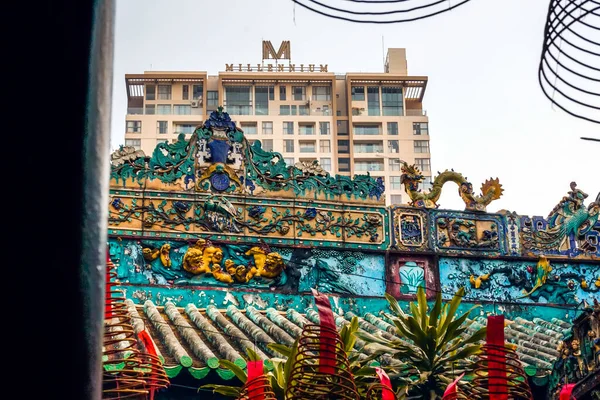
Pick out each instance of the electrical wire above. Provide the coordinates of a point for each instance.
(569, 67)
(417, 10)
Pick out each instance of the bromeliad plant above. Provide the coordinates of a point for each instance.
(437, 343)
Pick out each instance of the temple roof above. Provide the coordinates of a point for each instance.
(197, 338)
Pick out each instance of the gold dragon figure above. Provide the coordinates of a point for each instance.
(411, 177)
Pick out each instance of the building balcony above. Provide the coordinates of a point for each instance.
(173, 111)
(415, 113)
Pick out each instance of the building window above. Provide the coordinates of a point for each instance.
(299, 93)
(163, 109)
(212, 98)
(185, 92)
(150, 109)
(238, 100)
(284, 110)
(288, 128)
(306, 129)
(289, 161)
(267, 144)
(420, 128)
(358, 93)
(288, 146)
(368, 166)
(262, 94)
(375, 147)
(282, 93)
(182, 109)
(366, 129)
(267, 128)
(396, 199)
(394, 164)
(342, 128)
(325, 146)
(424, 164)
(426, 184)
(325, 163)
(135, 143)
(395, 182)
(344, 164)
(421, 146)
(324, 128)
(373, 100)
(321, 93)
(249, 128)
(197, 92)
(391, 100)
(343, 146)
(184, 128)
(303, 109)
(164, 92)
(392, 128)
(307, 146)
(393, 146)
(134, 126)
(150, 92)
(163, 126)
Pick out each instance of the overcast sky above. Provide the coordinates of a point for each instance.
(487, 114)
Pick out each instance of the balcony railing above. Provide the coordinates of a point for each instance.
(415, 113)
(368, 149)
(142, 111)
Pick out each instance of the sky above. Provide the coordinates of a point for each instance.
(488, 117)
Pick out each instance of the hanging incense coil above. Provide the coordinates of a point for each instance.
(259, 387)
(155, 374)
(321, 372)
(515, 385)
(377, 391)
(123, 374)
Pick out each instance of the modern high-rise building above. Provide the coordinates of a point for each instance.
(352, 123)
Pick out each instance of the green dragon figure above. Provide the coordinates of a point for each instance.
(568, 223)
(411, 177)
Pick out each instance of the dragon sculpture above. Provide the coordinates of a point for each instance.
(411, 177)
(569, 219)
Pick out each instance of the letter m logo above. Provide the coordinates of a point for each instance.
(284, 51)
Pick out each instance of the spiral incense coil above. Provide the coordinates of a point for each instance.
(155, 374)
(257, 387)
(515, 384)
(123, 374)
(377, 390)
(321, 372)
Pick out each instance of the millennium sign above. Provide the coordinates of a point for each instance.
(283, 53)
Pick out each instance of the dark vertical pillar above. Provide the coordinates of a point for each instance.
(96, 147)
(58, 74)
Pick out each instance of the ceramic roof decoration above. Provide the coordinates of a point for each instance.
(218, 245)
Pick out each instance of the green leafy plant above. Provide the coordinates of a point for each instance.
(278, 375)
(437, 344)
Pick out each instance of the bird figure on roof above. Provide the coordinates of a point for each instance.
(542, 270)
